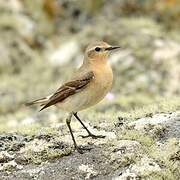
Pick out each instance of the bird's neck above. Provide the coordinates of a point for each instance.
(97, 62)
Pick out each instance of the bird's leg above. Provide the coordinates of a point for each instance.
(68, 122)
(89, 132)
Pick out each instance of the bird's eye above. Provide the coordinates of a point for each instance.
(97, 49)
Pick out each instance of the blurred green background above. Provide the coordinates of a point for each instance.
(42, 41)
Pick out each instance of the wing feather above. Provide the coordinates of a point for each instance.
(69, 88)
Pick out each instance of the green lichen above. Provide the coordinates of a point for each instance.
(132, 134)
(167, 157)
(45, 155)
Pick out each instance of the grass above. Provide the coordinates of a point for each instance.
(164, 105)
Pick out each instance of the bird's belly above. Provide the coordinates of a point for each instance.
(88, 97)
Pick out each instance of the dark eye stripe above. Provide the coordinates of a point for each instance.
(97, 49)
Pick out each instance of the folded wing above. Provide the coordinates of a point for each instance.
(69, 88)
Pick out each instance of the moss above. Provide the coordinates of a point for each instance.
(127, 160)
(56, 154)
(166, 151)
(160, 105)
(43, 148)
(163, 174)
(164, 155)
(144, 139)
(170, 172)
(46, 155)
(156, 131)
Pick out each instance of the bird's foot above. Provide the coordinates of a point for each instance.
(82, 149)
(93, 136)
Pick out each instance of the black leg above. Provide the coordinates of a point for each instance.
(89, 133)
(68, 122)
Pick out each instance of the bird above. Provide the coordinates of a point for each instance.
(88, 86)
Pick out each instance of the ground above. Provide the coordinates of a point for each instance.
(147, 147)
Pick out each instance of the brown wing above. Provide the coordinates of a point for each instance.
(69, 89)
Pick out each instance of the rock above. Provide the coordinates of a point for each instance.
(5, 156)
(126, 175)
(88, 169)
(145, 166)
(12, 141)
(162, 126)
(33, 173)
(127, 146)
(162, 118)
(9, 166)
(37, 145)
(125, 153)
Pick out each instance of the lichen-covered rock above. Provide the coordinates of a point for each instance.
(5, 156)
(145, 167)
(9, 166)
(88, 170)
(163, 125)
(127, 146)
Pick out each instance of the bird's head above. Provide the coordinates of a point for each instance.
(99, 50)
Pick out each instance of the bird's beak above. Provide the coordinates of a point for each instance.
(112, 48)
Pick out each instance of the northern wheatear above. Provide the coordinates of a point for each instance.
(89, 85)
